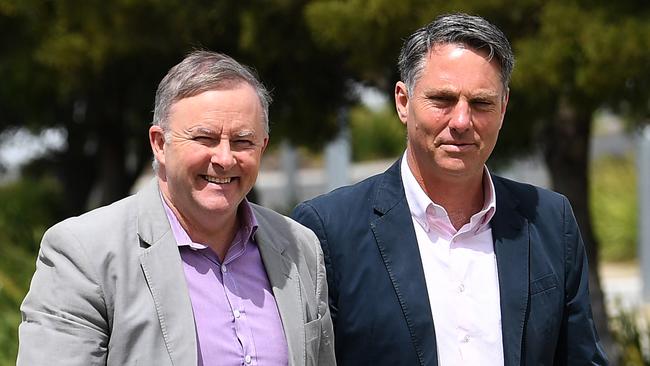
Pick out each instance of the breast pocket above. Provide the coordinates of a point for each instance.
(312, 330)
(546, 308)
(542, 284)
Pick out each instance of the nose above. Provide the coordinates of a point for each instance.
(461, 118)
(222, 155)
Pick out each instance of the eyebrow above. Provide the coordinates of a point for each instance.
(451, 93)
(485, 94)
(244, 133)
(209, 131)
(440, 92)
(199, 129)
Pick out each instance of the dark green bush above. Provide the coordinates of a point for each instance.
(376, 134)
(28, 208)
(631, 332)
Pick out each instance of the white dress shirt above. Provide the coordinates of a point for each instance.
(460, 270)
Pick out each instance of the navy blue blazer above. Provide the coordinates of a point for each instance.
(377, 291)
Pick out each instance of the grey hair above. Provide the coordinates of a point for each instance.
(471, 31)
(201, 71)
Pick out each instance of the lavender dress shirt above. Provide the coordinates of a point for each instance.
(236, 316)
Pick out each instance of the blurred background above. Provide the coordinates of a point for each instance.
(77, 84)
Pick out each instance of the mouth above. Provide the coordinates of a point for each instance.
(458, 146)
(216, 180)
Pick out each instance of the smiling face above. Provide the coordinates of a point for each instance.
(210, 157)
(454, 114)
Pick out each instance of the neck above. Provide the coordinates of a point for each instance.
(220, 240)
(217, 232)
(461, 198)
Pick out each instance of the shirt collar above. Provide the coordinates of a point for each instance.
(422, 207)
(248, 226)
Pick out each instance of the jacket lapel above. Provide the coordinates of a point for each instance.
(285, 283)
(395, 236)
(163, 270)
(511, 244)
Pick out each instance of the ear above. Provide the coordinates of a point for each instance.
(157, 142)
(506, 98)
(265, 143)
(401, 101)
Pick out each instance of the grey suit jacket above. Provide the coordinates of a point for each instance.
(109, 289)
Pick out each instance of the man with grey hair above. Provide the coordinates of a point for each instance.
(187, 271)
(437, 261)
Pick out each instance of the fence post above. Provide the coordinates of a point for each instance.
(289, 166)
(338, 155)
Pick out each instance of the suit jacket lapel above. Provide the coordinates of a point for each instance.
(395, 236)
(512, 244)
(163, 270)
(285, 283)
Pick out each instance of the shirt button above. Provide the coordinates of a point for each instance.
(465, 339)
(236, 313)
(248, 359)
(461, 288)
(224, 269)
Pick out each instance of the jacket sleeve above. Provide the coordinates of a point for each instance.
(64, 313)
(307, 215)
(326, 348)
(578, 343)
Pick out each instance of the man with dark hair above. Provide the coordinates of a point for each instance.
(438, 262)
(187, 271)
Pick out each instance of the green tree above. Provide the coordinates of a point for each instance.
(92, 68)
(374, 133)
(574, 57)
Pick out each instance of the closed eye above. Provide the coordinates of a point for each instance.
(483, 104)
(205, 140)
(202, 139)
(442, 101)
(242, 144)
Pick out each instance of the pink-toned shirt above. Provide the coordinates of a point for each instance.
(236, 316)
(460, 270)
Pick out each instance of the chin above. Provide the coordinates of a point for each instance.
(217, 204)
(220, 209)
(462, 169)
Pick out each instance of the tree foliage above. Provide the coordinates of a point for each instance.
(92, 67)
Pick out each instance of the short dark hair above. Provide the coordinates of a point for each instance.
(472, 31)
